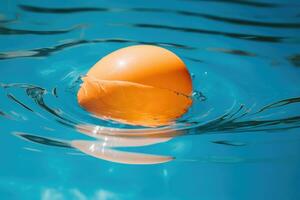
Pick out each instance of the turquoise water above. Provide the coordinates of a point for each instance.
(240, 139)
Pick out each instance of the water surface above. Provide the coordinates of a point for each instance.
(240, 139)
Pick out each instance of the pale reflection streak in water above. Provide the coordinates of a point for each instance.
(103, 148)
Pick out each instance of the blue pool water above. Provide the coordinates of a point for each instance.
(240, 139)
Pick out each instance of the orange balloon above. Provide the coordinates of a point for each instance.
(139, 85)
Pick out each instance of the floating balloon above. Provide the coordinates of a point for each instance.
(139, 85)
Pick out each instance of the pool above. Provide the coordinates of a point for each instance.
(239, 140)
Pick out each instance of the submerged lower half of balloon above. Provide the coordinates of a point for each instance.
(132, 103)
